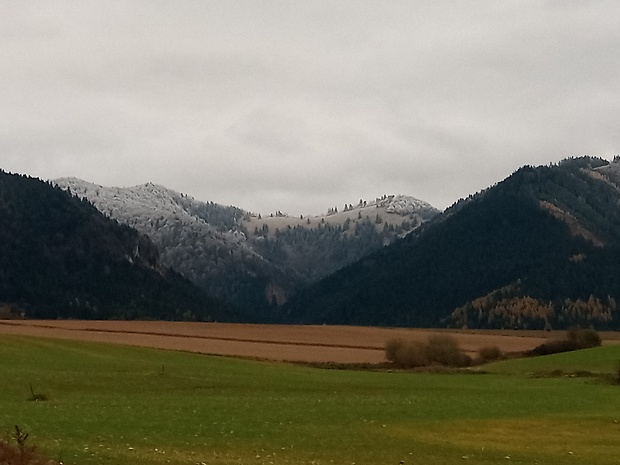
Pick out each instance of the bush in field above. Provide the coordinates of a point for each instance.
(406, 354)
(554, 347)
(576, 339)
(439, 350)
(490, 353)
(444, 350)
(393, 348)
(584, 338)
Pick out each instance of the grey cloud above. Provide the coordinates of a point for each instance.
(300, 105)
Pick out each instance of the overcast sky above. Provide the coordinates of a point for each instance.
(303, 105)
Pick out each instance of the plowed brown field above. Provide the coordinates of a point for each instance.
(338, 344)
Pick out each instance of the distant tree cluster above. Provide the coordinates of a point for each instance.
(223, 218)
(495, 310)
(316, 252)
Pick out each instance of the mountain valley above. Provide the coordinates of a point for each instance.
(255, 262)
(540, 249)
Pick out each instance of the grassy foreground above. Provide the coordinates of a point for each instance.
(121, 405)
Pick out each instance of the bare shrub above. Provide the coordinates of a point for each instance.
(584, 338)
(444, 349)
(21, 454)
(413, 354)
(406, 354)
(392, 349)
(490, 353)
(440, 350)
(577, 338)
(554, 346)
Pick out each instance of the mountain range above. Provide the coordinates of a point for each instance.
(540, 249)
(254, 262)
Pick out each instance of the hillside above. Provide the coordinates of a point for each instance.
(61, 258)
(255, 262)
(317, 246)
(540, 249)
(196, 239)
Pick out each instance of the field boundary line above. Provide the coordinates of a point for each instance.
(190, 336)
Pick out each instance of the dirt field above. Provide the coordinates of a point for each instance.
(338, 344)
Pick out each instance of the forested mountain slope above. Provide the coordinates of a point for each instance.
(316, 246)
(61, 258)
(540, 249)
(255, 262)
(197, 239)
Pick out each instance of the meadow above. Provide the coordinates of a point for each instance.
(113, 404)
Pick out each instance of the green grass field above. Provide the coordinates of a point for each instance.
(598, 360)
(121, 405)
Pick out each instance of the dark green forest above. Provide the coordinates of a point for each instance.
(551, 234)
(61, 258)
(316, 252)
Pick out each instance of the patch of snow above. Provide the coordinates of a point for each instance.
(612, 170)
(405, 205)
(154, 210)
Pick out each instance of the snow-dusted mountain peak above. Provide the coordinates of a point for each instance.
(127, 204)
(245, 258)
(404, 205)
